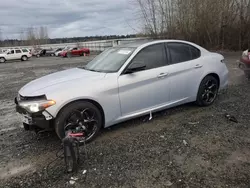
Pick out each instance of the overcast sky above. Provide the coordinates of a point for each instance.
(67, 18)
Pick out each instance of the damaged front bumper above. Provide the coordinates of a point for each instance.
(34, 121)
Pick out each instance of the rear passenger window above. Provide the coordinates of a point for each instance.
(24, 50)
(195, 52)
(180, 52)
(18, 51)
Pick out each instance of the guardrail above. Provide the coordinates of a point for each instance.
(96, 46)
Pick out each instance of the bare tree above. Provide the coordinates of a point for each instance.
(43, 35)
(1, 37)
(31, 36)
(211, 23)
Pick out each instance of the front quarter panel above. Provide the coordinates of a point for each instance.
(103, 91)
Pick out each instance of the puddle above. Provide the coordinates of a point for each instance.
(13, 169)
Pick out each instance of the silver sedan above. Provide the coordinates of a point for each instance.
(122, 83)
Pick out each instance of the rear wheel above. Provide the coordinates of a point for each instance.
(2, 59)
(24, 58)
(79, 114)
(52, 54)
(208, 91)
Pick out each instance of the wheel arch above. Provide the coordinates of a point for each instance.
(209, 74)
(215, 75)
(85, 100)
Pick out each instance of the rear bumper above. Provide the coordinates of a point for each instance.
(35, 120)
(224, 79)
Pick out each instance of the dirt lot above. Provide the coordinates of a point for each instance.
(185, 146)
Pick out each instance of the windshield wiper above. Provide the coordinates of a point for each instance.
(93, 70)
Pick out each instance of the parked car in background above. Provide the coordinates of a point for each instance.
(15, 54)
(50, 52)
(46, 52)
(53, 52)
(75, 52)
(39, 52)
(58, 53)
(244, 63)
(122, 83)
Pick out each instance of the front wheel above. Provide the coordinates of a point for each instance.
(24, 58)
(79, 114)
(208, 91)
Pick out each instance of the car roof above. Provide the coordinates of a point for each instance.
(146, 42)
(134, 44)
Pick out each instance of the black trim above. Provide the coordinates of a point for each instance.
(168, 54)
(40, 97)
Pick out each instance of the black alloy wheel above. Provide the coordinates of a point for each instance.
(208, 91)
(79, 116)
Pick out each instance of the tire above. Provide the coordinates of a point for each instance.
(24, 58)
(208, 89)
(37, 55)
(81, 54)
(69, 111)
(52, 54)
(2, 59)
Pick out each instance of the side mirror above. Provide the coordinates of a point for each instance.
(135, 67)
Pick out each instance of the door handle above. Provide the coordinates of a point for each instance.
(198, 66)
(162, 75)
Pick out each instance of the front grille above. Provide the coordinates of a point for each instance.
(24, 98)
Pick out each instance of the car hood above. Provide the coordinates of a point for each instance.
(58, 78)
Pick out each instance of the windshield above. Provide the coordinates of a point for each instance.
(111, 60)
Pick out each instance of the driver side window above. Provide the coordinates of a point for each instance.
(152, 56)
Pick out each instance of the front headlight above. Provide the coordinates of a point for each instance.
(37, 106)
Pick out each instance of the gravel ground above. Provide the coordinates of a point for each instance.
(186, 146)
